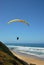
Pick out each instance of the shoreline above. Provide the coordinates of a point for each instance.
(29, 58)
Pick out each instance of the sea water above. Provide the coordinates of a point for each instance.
(36, 49)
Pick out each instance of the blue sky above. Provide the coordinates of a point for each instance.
(30, 10)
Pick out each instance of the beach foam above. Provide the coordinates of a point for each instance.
(36, 51)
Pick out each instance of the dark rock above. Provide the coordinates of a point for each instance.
(1, 62)
(32, 64)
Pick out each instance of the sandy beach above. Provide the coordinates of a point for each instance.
(29, 59)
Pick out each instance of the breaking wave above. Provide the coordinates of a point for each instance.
(36, 51)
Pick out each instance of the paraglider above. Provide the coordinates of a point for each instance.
(18, 20)
(17, 38)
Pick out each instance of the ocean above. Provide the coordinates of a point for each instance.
(35, 49)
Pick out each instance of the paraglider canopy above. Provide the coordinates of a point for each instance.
(18, 20)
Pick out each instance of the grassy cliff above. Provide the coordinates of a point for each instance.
(7, 58)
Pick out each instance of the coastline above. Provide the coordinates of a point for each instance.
(29, 58)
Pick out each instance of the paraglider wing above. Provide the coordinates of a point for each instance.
(11, 21)
(18, 20)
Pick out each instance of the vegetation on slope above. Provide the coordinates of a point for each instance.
(7, 58)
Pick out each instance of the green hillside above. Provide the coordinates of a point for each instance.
(7, 58)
